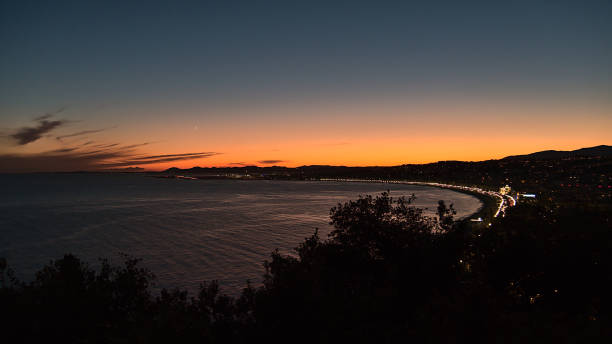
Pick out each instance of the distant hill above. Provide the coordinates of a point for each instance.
(597, 151)
(603, 150)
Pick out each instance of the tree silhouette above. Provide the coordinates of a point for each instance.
(386, 273)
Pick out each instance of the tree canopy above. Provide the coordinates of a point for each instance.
(387, 273)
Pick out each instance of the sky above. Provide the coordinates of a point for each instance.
(93, 85)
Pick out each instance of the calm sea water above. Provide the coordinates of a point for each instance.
(186, 231)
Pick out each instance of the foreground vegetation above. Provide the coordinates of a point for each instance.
(387, 273)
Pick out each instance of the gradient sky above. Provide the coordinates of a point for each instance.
(155, 84)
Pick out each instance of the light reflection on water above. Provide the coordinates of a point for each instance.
(185, 231)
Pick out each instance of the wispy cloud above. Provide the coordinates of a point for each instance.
(72, 159)
(64, 150)
(147, 160)
(50, 114)
(84, 156)
(27, 135)
(106, 145)
(269, 162)
(137, 145)
(80, 133)
(166, 156)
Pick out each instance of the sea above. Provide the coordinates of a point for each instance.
(185, 231)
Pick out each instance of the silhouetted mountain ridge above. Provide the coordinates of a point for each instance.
(601, 150)
(597, 151)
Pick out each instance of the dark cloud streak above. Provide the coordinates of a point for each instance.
(173, 155)
(68, 159)
(155, 159)
(50, 114)
(27, 135)
(84, 132)
(269, 162)
(79, 156)
(105, 145)
(136, 145)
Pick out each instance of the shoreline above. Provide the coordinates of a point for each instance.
(493, 203)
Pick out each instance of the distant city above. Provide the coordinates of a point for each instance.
(583, 174)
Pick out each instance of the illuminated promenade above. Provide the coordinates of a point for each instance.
(503, 201)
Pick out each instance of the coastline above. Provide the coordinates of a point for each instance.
(493, 203)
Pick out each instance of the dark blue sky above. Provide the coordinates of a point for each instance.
(150, 67)
(55, 51)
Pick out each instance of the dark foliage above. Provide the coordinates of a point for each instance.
(371, 280)
(387, 273)
(550, 269)
(71, 303)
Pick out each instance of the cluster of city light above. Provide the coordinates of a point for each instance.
(512, 200)
(504, 200)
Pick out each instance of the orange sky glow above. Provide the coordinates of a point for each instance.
(365, 133)
(99, 86)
